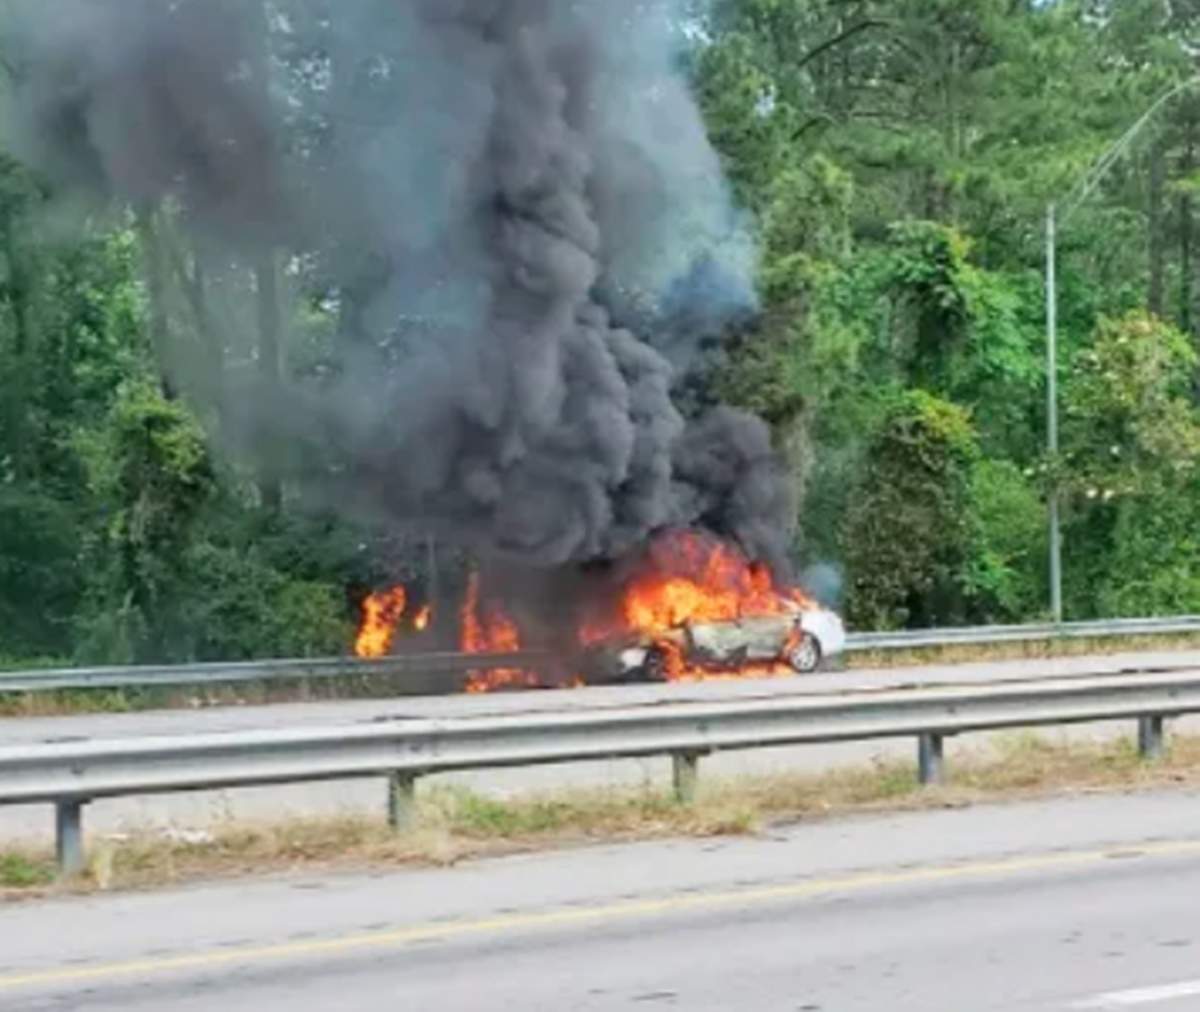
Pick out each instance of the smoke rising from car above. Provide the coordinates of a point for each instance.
(482, 187)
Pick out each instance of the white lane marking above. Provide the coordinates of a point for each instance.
(1141, 996)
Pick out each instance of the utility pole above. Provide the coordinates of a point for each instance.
(1056, 608)
(1077, 196)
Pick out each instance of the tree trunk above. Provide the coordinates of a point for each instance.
(156, 291)
(266, 288)
(267, 294)
(1189, 285)
(213, 346)
(192, 278)
(1185, 241)
(18, 367)
(1156, 245)
(209, 335)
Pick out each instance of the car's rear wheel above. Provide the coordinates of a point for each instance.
(805, 656)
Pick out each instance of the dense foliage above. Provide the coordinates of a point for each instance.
(897, 158)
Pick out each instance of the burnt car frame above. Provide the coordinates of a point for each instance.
(801, 638)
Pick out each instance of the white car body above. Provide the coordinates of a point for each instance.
(827, 628)
(763, 638)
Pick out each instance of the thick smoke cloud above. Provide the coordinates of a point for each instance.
(474, 174)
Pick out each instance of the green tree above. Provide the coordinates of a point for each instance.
(1006, 575)
(1130, 467)
(907, 532)
(151, 477)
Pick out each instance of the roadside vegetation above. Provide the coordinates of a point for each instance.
(453, 825)
(896, 157)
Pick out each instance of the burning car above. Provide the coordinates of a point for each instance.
(797, 640)
(687, 606)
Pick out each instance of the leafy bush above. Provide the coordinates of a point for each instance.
(239, 606)
(907, 532)
(1006, 576)
(39, 571)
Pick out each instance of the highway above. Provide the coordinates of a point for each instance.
(198, 810)
(1086, 903)
(229, 718)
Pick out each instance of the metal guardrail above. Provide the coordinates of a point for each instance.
(180, 675)
(171, 676)
(69, 774)
(1179, 625)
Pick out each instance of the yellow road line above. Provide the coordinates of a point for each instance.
(565, 917)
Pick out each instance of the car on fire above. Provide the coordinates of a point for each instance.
(802, 638)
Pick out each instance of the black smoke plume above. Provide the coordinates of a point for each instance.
(470, 175)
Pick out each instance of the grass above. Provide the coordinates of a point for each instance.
(23, 871)
(453, 824)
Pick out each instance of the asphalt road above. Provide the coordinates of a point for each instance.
(1080, 904)
(231, 718)
(192, 812)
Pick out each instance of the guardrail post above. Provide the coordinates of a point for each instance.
(1150, 737)
(68, 836)
(685, 772)
(402, 799)
(930, 764)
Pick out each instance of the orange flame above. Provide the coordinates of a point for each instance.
(380, 613)
(691, 578)
(685, 578)
(488, 630)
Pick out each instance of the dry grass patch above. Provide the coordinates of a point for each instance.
(450, 825)
(454, 824)
(966, 653)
